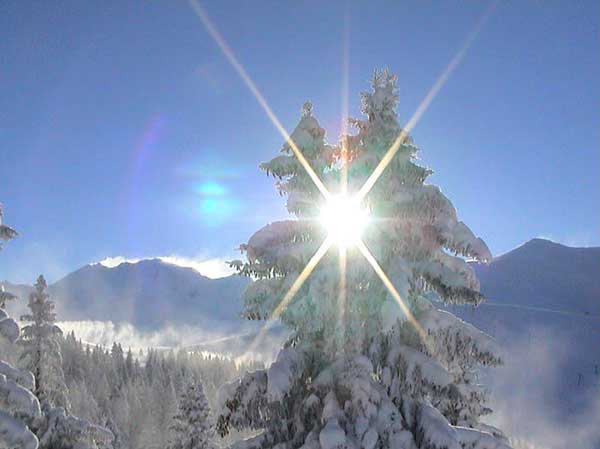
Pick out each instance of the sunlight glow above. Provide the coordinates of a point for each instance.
(342, 216)
(344, 220)
(386, 281)
(308, 269)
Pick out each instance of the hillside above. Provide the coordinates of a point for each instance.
(148, 294)
(543, 306)
(545, 274)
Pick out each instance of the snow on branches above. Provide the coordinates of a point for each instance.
(192, 425)
(40, 350)
(357, 371)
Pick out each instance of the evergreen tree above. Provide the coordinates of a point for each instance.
(23, 423)
(358, 370)
(192, 427)
(41, 351)
(18, 406)
(163, 400)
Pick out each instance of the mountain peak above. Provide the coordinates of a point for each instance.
(541, 242)
(211, 268)
(148, 292)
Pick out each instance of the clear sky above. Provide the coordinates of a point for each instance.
(125, 132)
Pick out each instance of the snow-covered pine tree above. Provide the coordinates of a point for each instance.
(192, 427)
(41, 354)
(23, 423)
(41, 351)
(375, 378)
(18, 406)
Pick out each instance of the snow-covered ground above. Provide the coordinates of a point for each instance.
(543, 307)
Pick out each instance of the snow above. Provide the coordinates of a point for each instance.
(462, 237)
(434, 431)
(434, 319)
(20, 376)
(402, 440)
(431, 370)
(476, 439)
(358, 379)
(17, 399)
(192, 426)
(255, 442)
(312, 401)
(331, 409)
(62, 429)
(9, 329)
(15, 434)
(370, 438)
(332, 436)
(363, 377)
(143, 294)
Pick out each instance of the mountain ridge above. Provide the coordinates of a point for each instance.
(149, 293)
(543, 273)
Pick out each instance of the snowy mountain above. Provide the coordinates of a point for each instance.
(148, 294)
(545, 274)
(544, 308)
(537, 284)
(524, 287)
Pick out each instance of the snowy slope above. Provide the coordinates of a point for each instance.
(148, 294)
(544, 308)
(542, 273)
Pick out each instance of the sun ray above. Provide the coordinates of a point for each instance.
(342, 294)
(345, 100)
(367, 186)
(308, 269)
(386, 281)
(437, 86)
(216, 35)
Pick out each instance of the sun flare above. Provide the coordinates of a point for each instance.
(344, 219)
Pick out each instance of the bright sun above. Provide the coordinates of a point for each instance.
(344, 220)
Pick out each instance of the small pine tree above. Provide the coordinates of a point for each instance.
(41, 351)
(192, 427)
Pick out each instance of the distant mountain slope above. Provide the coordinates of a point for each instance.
(537, 275)
(545, 274)
(543, 306)
(149, 294)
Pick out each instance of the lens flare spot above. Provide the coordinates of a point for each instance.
(211, 189)
(344, 219)
(210, 205)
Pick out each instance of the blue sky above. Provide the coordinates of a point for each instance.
(124, 131)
